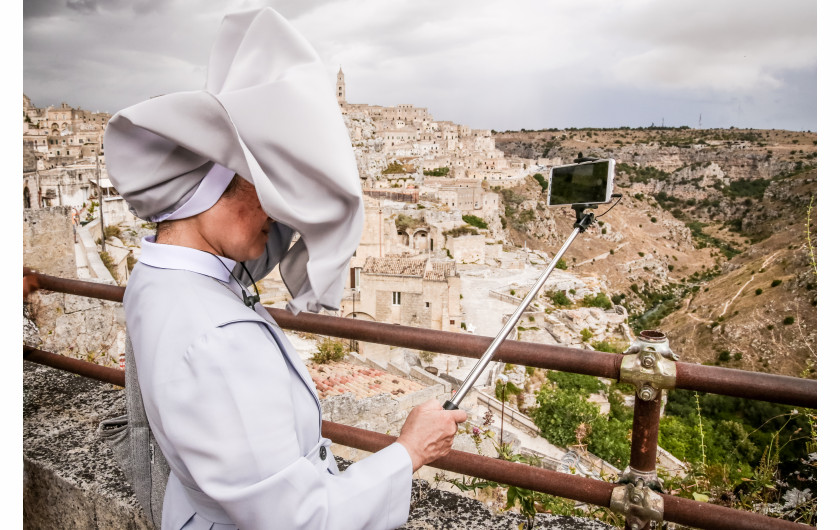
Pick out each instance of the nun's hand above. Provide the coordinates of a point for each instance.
(429, 431)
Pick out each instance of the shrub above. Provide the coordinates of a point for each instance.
(585, 335)
(463, 230)
(559, 298)
(427, 356)
(112, 231)
(541, 179)
(393, 167)
(508, 391)
(758, 291)
(561, 264)
(776, 283)
(474, 220)
(329, 350)
(788, 321)
(599, 300)
(406, 222)
(109, 263)
(436, 172)
(607, 347)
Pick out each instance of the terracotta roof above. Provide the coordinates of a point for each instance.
(398, 266)
(440, 270)
(340, 378)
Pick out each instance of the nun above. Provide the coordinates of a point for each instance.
(231, 174)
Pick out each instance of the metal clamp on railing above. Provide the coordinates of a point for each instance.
(649, 365)
(638, 503)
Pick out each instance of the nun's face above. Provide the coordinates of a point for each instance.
(236, 226)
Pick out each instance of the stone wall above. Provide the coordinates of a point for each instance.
(467, 249)
(76, 326)
(48, 241)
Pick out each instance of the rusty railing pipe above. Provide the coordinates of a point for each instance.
(590, 491)
(724, 381)
(645, 437)
(76, 366)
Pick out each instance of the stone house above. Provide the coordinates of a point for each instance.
(418, 292)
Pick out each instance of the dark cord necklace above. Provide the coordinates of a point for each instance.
(250, 300)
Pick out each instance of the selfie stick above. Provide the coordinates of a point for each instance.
(583, 221)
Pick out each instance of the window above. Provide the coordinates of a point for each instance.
(395, 298)
(427, 304)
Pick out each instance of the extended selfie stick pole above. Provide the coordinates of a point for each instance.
(584, 220)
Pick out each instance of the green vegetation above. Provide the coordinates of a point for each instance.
(541, 179)
(702, 240)
(599, 300)
(329, 350)
(507, 391)
(561, 264)
(585, 334)
(436, 172)
(559, 298)
(738, 435)
(406, 222)
(753, 188)
(463, 230)
(474, 220)
(394, 168)
(609, 347)
(788, 321)
(566, 418)
(112, 231)
(643, 174)
(109, 263)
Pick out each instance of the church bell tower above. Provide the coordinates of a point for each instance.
(340, 93)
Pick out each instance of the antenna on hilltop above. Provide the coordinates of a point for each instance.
(700, 121)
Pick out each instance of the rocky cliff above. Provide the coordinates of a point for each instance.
(710, 242)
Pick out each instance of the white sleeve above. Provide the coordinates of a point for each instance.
(228, 411)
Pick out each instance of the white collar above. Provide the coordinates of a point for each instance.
(163, 256)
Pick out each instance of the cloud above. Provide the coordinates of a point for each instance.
(488, 63)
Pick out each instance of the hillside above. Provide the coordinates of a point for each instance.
(708, 243)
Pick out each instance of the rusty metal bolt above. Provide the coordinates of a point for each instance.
(648, 361)
(647, 393)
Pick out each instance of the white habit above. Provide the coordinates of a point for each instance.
(234, 410)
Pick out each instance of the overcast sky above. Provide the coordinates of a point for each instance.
(488, 64)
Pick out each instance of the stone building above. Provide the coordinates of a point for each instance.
(411, 291)
(410, 135)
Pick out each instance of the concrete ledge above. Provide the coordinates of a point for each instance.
(430, 379)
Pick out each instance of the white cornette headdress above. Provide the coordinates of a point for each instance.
(268, 113)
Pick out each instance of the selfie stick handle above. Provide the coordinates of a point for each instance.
(583, 222)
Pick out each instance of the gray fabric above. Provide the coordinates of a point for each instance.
(268, 113)
(135, 448)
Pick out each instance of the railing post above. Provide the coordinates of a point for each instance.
(649, 364)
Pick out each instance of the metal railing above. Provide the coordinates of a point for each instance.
(635, 494)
